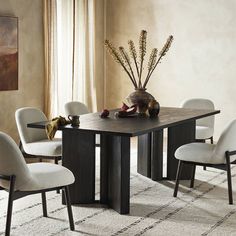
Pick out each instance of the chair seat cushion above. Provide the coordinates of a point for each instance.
(203, 132)
(47, 175)
(44, 147)
(197, 152)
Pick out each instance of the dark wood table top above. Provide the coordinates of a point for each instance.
(134, 126)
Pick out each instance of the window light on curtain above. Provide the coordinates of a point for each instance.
(71, 43)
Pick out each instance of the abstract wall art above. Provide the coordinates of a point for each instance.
(8, 53)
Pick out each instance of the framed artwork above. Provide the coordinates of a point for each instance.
(8, 53)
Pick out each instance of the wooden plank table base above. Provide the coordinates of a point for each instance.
(78, 145)
(177, 136)
(144, 154)
(150, 155)
(157, 155)
(79, 156)
(115, 172)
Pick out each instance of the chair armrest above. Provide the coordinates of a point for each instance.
(230, 153)
(5, 177)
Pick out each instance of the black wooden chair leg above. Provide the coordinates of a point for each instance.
(44, 204)
(229, 179)
(56, 162)
(10, 205)
(204, 167)
(211, 138)
(193, 177)
(68, 204)
(177, 178)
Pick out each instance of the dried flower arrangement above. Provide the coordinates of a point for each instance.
(122, 57)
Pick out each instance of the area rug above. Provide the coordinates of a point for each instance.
(203, 210)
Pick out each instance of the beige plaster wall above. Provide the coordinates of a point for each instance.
(31, 64)
(201, 62)
(99, 52)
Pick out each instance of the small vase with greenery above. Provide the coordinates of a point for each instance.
(133, 64)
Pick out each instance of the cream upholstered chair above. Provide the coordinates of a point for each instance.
(204, 126)
(35, 141)
(78, 108)
(21, 179)
(219, 155)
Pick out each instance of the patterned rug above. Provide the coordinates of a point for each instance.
(203, 210)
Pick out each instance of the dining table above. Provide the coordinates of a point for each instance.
(78, 151)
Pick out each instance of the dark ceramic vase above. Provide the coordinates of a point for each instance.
(153, 108)
(141, 98)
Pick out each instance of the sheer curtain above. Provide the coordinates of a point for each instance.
(50, 63)
(71, 43)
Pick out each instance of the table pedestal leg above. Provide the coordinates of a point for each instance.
(78, 155)
(144, 154)
(157, 155)
(179, 135)
(115, 172)
(150, 155)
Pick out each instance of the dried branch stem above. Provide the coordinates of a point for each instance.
(127, 60)
(116, 56)
(122, 58)
(133, 54)
(142, 52)
(162, 53)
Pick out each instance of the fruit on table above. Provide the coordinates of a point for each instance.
(104, 113)
(130, 111)
(124, 107)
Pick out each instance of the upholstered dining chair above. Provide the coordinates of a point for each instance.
(78, 108)
(34, 141)
(21, 179)
(204, 126)
(219, 155)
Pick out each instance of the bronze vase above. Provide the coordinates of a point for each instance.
(141, 98)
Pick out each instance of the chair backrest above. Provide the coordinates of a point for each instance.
(226, 142)
(76, 108)
(12, 162)
(29, 115)
(201, 103)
